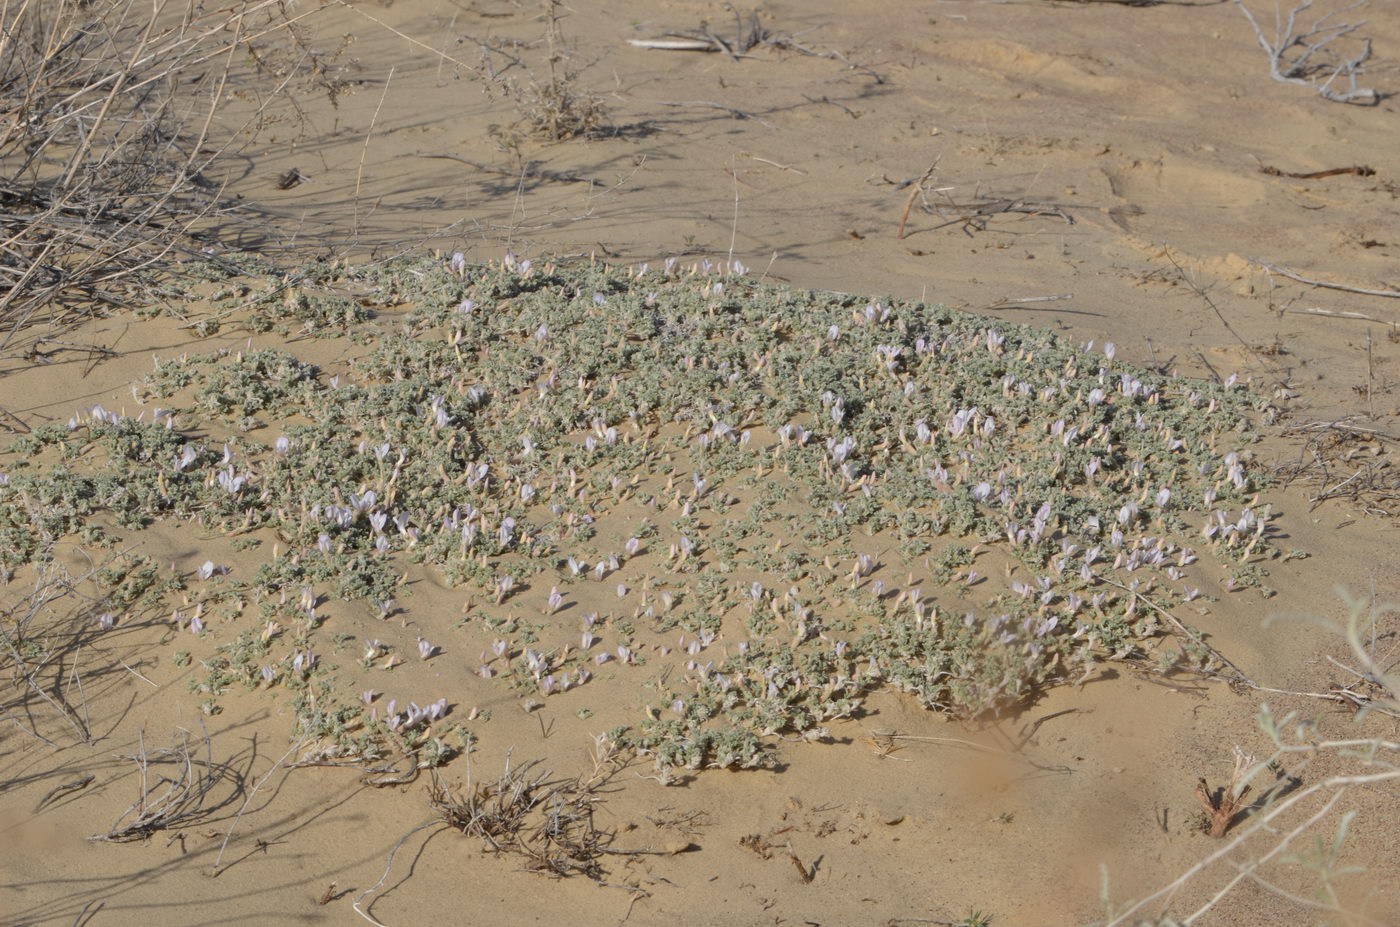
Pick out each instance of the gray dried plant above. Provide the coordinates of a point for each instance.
(111, 119)
(552, 105)
(1315, 66)
(175, 789)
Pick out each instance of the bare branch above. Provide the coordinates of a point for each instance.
(1302, 70)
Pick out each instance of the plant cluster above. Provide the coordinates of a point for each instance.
(611, 457)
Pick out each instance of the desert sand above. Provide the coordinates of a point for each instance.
(1110, 172)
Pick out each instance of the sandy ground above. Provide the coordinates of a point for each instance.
(1140, 135)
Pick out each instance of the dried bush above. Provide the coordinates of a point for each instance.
(527, 813)
(169, 799)
(551, 106)
(109, 120)
(38, 657)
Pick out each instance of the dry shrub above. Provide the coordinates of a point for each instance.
(552, 106)
(35, 653)
(174, 791)
(525, 812)
(109, 122)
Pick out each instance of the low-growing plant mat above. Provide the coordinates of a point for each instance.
(748, 506)
(816, 559)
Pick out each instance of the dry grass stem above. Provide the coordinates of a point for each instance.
(548, 822)
(175, 799)
(1294, 275)
(107, 122)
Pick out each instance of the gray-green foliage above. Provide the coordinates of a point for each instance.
(516, 410)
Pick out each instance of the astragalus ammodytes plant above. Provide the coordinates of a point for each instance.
(750, 504)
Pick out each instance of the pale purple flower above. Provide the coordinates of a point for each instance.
(268, 674)
(106, 621)
(368, 696)
(282, 444)
(207, 570)
(196, 625)
(231, 484)
(425, 649)
(556, 599)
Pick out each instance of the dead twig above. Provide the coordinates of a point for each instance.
(388, 866)
(973, 216)
(1303, 69)
(66, 787)
(1293, 275)
(736, 113)
(1341, 314)
(1359, 170)
(914, 193)
(215, 870)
